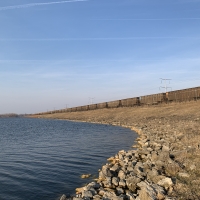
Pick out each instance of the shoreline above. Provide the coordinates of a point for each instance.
(165, 159)
(116, 181)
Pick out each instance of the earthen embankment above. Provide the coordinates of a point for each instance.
(164, 164)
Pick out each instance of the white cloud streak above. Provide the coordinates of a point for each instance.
(38, 4)
(146, 19)
(94, 39)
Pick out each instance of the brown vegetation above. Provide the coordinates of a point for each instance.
(180, 122)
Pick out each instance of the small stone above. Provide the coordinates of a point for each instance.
(122, 183)
(192, 167)
(101, 192)
(115, 181)
(94, 185)
(77, 198)
(159, 191)
(87, 193)
(165, 148)
(107, 183)
(130, 195)
(84, 176)
(118, 198)
(63, 197)
(183, 175)
(97, 197)
(109, 195)
(80, 190)
(166, 183)
(121, 175)
(115, 168)
(119, 191)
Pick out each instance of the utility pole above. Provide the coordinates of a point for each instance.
(66, 106)
(91, 100)
(165, 82)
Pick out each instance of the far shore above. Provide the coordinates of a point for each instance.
(177, 125)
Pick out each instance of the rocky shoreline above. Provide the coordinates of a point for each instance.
(141, 174)
(164, 162)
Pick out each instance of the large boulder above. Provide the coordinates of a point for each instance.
(146, 192)
(131, 183)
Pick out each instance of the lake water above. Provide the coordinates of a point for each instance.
(42, 159)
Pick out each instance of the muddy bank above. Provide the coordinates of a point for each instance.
(165, 163)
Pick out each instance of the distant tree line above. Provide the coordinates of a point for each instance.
(9, 115)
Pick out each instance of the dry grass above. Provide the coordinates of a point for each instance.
(179, 120)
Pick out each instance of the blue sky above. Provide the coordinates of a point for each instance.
(54, 53)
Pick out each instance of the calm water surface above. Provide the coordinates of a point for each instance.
(42, 159)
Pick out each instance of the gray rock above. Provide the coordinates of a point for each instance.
(63, 197)
(101, 192)
(122, 183)
(165, 148)
(121, 163)
(129, 169)
(106, 171)
(177, 153)
(130, 195)
(94, 185)
(121, 175)
(192, 167)
(132, 183)
(163, 156)
(138, 198)
(166, 183)
(77, 198)
(154, 156)
(159, 164)
(160, 192)
(119, 191)
(138, 168)
(121, 157)
(108, 182)
(183, 175)
(115, 181)
(97, 197)
(87, 193)
(115, 168)
(94, 192)
(87, 198)
(146, 192)
(152, 173)
(109, 195)
(118, 198)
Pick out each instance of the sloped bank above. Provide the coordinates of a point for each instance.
(165, 163)
(141, 174)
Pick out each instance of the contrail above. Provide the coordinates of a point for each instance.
(38, 4)
(146, 19)
(94, 39)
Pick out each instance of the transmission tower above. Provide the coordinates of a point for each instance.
(165, 83)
